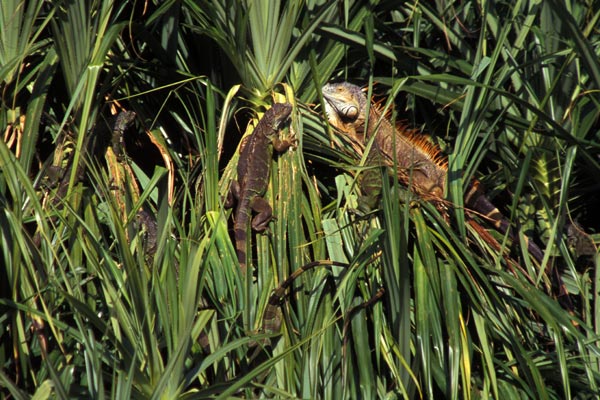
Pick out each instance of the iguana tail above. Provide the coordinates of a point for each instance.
(475, 199)
(239, 231)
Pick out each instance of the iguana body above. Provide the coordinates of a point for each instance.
(253, 175)
(420, 164)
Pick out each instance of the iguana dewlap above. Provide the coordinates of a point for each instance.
(253, 171)
(419, 163)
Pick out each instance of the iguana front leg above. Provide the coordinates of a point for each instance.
(281, 145)
(370, 182)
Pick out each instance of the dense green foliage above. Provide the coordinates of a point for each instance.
(92, 307)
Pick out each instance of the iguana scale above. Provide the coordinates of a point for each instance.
(253, 171)
(420, 164)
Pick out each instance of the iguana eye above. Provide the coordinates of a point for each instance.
(350, 112)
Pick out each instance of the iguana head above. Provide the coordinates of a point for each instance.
(275, 119)
(345, 105)
(280, 114)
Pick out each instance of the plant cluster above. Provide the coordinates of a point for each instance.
(121, 124)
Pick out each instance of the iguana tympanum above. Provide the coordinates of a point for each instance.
(253, 170)
(420, 164)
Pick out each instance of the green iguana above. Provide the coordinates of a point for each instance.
(253, 171)
(420, 164)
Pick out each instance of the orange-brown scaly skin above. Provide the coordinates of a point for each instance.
(420, 164)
